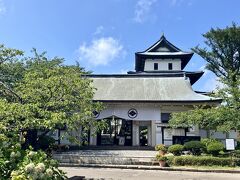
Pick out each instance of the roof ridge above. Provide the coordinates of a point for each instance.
(162, 39)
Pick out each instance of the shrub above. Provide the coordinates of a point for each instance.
(202, 161)
(36, 165)
(214, 148)
(176, 149)
(20, 164)
(236, 153)
(206, 142)
(161, 157)
(161, 147)
(195, 147)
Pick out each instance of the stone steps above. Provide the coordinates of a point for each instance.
(117, 157)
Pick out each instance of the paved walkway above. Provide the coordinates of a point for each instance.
(129, 174)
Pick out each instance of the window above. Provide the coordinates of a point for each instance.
(155, 66)
(170, 66)
(165, 117)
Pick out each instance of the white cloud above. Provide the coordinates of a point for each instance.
(99, 30)
(2, 7)
(210, 84)
(101, 51)
(173, 2)
(142, 10)
(206, 71)
(180, 2)
(124, 71)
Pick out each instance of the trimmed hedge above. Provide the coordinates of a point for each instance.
(202, 161)
(176, 149)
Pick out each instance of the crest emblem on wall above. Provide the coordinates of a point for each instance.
(132, 113)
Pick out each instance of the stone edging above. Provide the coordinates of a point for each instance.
(143, 167)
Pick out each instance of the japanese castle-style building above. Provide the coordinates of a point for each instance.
(138, 104)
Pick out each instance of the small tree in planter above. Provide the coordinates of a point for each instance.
(162, 160)
(161, 148)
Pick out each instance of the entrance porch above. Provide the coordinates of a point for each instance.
(124, 132)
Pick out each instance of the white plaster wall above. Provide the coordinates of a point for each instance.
(146, 112)
(135, 133)
(219, 135)
(153, 132)
(193, 131)
(65, 137)
(158, 133)
(162, 64)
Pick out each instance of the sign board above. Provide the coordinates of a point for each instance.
(230, 145)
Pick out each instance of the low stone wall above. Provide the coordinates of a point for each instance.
(107, 157)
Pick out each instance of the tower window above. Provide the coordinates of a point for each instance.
(170, 66)
(155, 66)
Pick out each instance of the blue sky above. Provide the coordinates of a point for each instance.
(103, 35)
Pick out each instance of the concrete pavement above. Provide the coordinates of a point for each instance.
(122, 174)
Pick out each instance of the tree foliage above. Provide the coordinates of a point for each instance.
(223, 59)
(222, 56)
(39, 93)
(221, 53)
(221, 119)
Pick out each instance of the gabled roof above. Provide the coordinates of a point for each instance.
(160, 50)
(162, 89)
(163, 45)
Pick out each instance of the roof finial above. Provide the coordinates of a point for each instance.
(162, 35)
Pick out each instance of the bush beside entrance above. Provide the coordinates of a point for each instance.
(176, 149)
(214, 148)
(207, 152)
(202, 161)
(195, 147)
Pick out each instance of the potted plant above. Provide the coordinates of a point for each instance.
(161, 148)
(161, 159)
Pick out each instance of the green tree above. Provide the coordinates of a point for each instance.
(44, 94)
(222, 53)
(221, 119)
(39, 94)
(222, 56)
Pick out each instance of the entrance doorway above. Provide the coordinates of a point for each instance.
(116, 132)
(143, 135)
